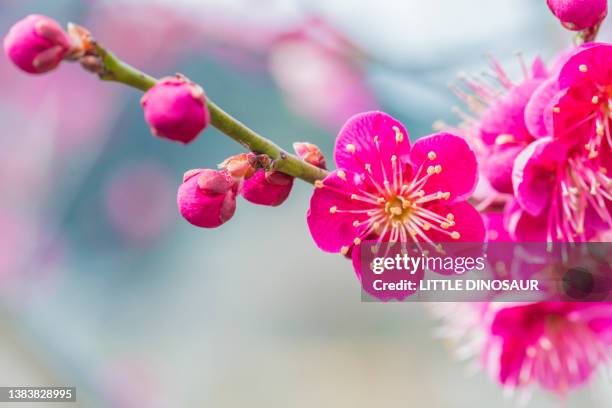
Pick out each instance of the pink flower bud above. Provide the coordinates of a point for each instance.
(175, 108)
(240, 166)
(579, 14)
(267, 188)
(207, 198)
(36, 44)
(310, 153)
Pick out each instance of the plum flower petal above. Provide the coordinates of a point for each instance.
(456, 169)
(497, 166)
(368, 140)
(538, 111)
(522, 226)
(558, 346)
(333, 212)
(469, 225)
(506, 118)
(534, 176)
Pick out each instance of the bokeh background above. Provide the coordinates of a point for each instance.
(103, 286)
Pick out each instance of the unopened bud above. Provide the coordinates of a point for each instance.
(37, 44)
(207, 198)
(267, 188)
(579, 15)
(240, 166)
(175, 109)
(310, 153)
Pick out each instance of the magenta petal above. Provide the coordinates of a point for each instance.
(468, 223)
(538, 112)
(459, 173)
(506, 118)
(267, 188)
(524, 227)
(498, 166)
(535, 174)
(355, 146)
(496, 227)
(330, 225)
(595, 58)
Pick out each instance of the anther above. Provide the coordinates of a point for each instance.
(350, 148)
(455, 235)
(357, 241)
(368, 168)
(333, 209)
(344, 250)
(431, 170)
(432, 155)
(595, 100)
(583, 68)
(342, 175)
(426, 226)
(557, 109)
(318, 184)
(438, 169)
(356, 223)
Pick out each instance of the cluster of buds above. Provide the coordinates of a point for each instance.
(207, 198)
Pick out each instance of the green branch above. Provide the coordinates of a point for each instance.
(113, 69)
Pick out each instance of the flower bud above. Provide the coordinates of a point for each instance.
(240, 166)
(267, 188)
(207, 198)
(310, 153)
(36, 44)
(175, 109)
(579, 15)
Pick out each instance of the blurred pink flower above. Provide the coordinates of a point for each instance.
(130, 383)
(319, 72)
(498, 131)
(139, 201)
(556, 346)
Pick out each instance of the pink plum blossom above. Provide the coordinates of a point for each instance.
(175, 109)
(319, 72)
(564, 178)
(579, 14)
(37, 44)
(498, 131)
(387, 190)
(207, 198)
(555, 346)
(269, 188)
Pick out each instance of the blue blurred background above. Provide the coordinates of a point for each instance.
(103, 285)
